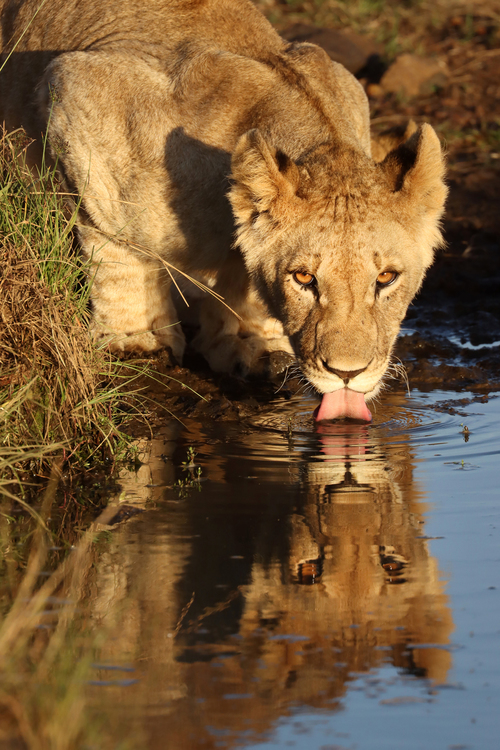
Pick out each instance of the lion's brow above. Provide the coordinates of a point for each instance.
(347, 207)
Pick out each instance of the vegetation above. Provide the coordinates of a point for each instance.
(59, 393)
(64, 403)
(192, 474)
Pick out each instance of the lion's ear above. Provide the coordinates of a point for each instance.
(262, 176)
(416, 169)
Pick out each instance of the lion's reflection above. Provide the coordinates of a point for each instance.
(336, 579)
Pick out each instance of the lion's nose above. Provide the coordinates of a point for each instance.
(345, 375)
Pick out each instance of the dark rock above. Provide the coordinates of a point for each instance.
(279, 362)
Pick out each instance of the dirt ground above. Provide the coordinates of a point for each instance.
(436, 62)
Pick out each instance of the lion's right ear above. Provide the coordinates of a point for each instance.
(264, 178)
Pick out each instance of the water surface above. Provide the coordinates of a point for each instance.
(331, 587)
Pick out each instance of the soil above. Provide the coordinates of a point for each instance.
(451, 336)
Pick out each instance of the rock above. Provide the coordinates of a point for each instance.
(411, 75)
(279, 362)
(353, 51)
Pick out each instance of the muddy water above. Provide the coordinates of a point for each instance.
(331, 587)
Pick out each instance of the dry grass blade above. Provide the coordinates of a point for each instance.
(17, 42)
(16, 621)
(170, 269)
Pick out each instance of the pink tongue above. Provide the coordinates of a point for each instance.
(343, 403)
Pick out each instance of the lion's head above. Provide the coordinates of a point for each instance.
(338, 246)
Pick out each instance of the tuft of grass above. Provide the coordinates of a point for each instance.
(192, 474)
(58, 392)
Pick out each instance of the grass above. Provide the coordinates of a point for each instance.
(64, 407)
(59, 394)
(63, 402)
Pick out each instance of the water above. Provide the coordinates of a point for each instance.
(324, 588)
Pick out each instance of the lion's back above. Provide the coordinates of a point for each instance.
(153, 30)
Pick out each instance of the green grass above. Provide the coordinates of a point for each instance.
(64, 408)
(59, 393)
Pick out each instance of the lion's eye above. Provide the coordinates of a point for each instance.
(386, 278)
(304, 278)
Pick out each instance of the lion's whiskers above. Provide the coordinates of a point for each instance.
(395, 371)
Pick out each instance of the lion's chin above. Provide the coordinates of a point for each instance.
(343, 403)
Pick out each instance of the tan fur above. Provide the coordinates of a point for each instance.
(198, 138)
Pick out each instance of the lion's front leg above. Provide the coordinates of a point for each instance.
(130, 293)
(238, 335)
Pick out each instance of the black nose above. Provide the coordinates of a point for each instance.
(345, 375)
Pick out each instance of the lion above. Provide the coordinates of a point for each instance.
(201, 144)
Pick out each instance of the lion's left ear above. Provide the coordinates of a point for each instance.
(263, 177)
(415, 172)
(416, 169)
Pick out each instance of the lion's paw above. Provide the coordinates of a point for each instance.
(146, 342)
(251, 356)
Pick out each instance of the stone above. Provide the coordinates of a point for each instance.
(411, 75)
(374, 90)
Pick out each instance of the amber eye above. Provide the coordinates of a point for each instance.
(304, 278)
(386, 278)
